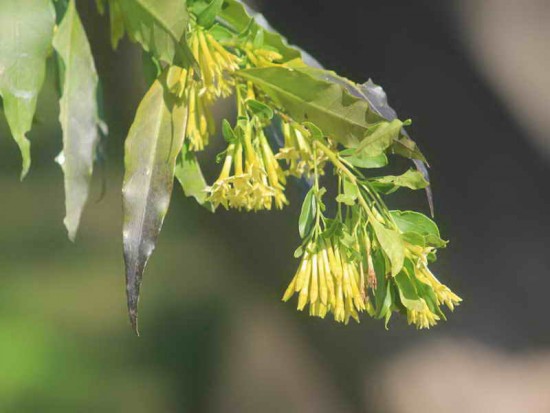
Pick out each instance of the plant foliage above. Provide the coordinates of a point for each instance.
(360, 258)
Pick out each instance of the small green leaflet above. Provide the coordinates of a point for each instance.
(190, 177)
(26, 31)
(392, 245)
(339, 115)
(307, 215)
(153, 144)
(411, 222)
(408, 294)
(207, 17)
(362, 161)
(411, 179)
(376, 143)
(78, 114)
(159, 26)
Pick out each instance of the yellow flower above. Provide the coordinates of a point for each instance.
(443, 293)
(422, 317)
(257, 180)
(297, 152)
(329, 281)
(216, 64)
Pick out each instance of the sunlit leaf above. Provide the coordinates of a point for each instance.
(376, 143)
(154, 141)
(341, 116)
(159, 26)
(26, 31)
(411, 179)
(392, 245)
(190, 177)
(78, 114)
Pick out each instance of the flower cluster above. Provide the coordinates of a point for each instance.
(330, 279)
(363, 260)
(298, 153)
(251, 177)
(202, 90)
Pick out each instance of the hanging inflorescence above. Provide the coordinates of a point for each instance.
(295, 122)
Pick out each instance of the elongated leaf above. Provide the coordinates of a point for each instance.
(392, 245)
(307, 214)
(154, 141)
(78, 114)
(341, 116)
(159, 26)
(411, 179)
(190, 177)
(26, 31)
(362, 161)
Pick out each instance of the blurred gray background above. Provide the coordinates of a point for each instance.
(473, 76)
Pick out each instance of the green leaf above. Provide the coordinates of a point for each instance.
(362, 161)
(411, 222)
(391, 243)
(406, 147)
(408, 294)
(159, 26)
(154, 141)
(234, 15)
(116, 19)
(26, 32)
(208, 16)
(228, 132)
(381, 139)
(260, 109)
(190, 177)
(339, 115)
(78, 114)
(307, 214)
(411, 179)
(100, 5)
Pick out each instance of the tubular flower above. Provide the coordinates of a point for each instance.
(422, 316)
(251, 177)
(329, 280)
(297, 152)
(443, 294)
(216, 64)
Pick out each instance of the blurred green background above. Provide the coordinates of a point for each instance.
(215, 336)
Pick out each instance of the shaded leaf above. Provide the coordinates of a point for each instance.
(190, 177)
(159, 26)
(154, 141)
(339, 115)
(26, 32)
(78, 114)
(391, 243)
(116, 19)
